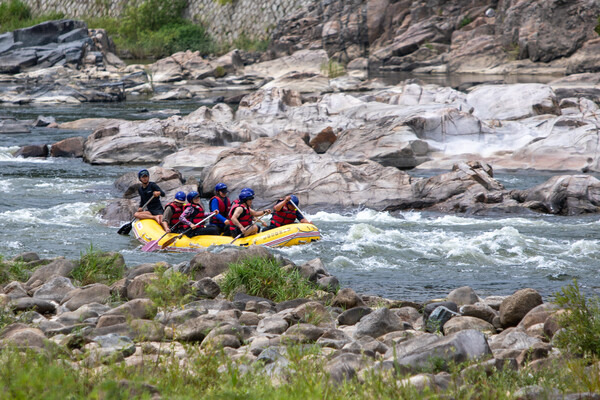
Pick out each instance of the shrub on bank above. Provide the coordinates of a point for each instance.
(265, 278)
(581, 322)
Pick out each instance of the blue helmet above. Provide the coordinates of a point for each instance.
(246, 194)
(143, 172)
(221, 187)
(180, 196)
(295, 199)
(192, 195)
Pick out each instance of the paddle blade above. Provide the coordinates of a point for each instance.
(125, 229)
(150, 246)
(169, 242)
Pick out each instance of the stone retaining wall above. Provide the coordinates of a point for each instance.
(253, 18)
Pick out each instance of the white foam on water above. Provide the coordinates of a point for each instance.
(585, 248)
(70, 215)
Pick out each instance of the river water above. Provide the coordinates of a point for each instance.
(50, 207)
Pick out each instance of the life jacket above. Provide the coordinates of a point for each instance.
(177, 211)
(224, 207)
(283, 217)
(196, 216)
(245, 217)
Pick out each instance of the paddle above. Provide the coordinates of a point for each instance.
(252, 224)
(151, 246)
(176, 238)
(297, 208)
(125, 229)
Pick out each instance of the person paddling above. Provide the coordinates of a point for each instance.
(149, 190)
(192, 215)
(173, 211)
(220, 202)
(241, 214)
(284, 213)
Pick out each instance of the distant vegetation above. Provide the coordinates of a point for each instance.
(151, 29)
(14, 14)
(598, 27)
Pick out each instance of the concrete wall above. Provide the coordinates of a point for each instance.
(253, 18)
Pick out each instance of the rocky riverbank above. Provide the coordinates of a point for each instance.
(290, 127)
(157, 313)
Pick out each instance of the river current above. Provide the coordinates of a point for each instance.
(50, 207)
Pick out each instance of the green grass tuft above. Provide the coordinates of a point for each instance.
(265, 278)
(580, 322)
(98, 267)
(332, 69)
(14, 271)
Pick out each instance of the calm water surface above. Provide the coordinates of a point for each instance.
(50, 207)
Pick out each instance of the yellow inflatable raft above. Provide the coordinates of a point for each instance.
(147, 230)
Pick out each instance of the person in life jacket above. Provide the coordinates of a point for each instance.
(242, 214)
(149, 190)
(284, 212)
(220, 202)
(193, 214)
(173, 211)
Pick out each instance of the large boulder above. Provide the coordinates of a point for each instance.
(512, 102)
(516, 306)
(58, 267)
(266, 166)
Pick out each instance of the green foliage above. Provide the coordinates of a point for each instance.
(580, 322)
(14, 271)
(224, 2)
(332, 69)
(465, 21)
(244, 42)
(97, 266)
(15, 14)
(265, 278)
(7, 317)
(13, 9)
(597, 29)
(170, 289)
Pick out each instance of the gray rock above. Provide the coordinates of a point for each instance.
(115, 343)
(55, 289)
(378, 323)
(353, 315)
(462, 346)
(347, 298)
(463, 295)
(94, 293)
(22, 336)
(344, 367)
(274, 324)
(460, 323)
(137, 309)
(38, 150)
(137, 288)
(178, 316)
(438, 319)
(207, 288)
(334, 338)
(28, 303)
(302, 333)
(70, 147)
(480, 310)
(516, 306)
(59, 266)
(15, 290)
